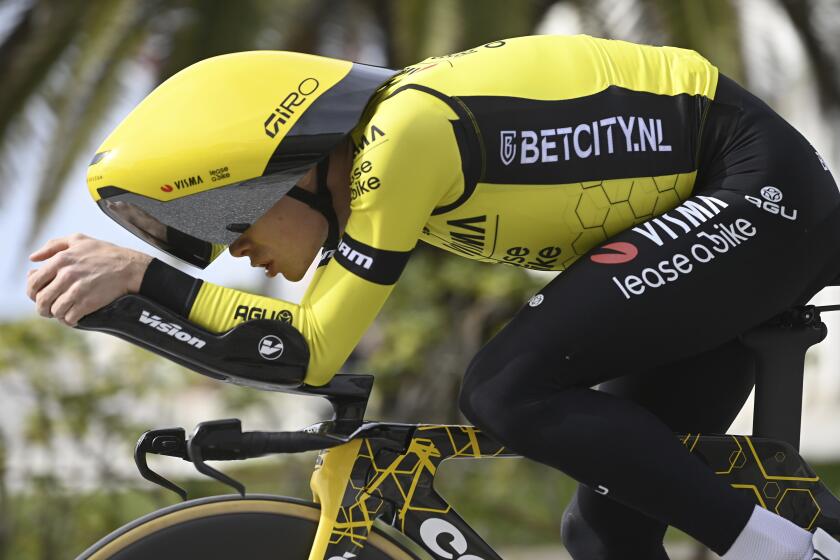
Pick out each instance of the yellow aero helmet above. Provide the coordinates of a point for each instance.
(217, 144)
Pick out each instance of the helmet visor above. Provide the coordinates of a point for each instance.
(197, 228)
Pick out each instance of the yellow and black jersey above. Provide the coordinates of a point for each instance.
(527, 151)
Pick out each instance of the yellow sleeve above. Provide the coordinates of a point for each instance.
(218, 309)
(406, 163)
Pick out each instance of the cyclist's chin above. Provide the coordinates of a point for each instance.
(294, 277)
(293, 272)
(292, 265)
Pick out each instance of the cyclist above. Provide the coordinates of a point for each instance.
(681, 209)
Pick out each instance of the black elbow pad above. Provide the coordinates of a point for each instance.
(264, 353)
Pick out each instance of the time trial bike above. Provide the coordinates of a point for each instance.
(373, 483)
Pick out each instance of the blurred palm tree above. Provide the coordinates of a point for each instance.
(66, 62)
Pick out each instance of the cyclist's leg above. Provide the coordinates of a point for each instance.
(528, 387)
(705, 397)
(695, 284)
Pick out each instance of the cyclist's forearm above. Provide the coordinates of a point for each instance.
(218, 308)
(213, 307)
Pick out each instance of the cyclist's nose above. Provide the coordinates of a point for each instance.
(240, 247)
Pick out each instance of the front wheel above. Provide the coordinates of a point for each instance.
(258, 527)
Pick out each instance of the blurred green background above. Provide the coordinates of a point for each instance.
(72, 404)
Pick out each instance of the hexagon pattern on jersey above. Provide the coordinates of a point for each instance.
(606, 208)
(548, 227)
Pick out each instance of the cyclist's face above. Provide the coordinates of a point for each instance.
(286, 238)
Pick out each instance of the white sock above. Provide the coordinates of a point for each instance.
(768, 536)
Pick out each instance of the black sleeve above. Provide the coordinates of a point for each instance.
(170, 287)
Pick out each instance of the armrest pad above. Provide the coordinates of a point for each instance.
(264, 354)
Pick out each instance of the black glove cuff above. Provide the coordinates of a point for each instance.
(170, 287)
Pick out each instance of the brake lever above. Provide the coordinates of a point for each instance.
(216, 440)
(168, 441)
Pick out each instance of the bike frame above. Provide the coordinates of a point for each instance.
(369, 478)
(370, 470)
(365, 479)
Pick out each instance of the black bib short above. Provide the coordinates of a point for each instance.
(653, 315)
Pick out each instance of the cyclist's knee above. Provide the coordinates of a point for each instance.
(492, 390)
(472, 399)
(476, 401)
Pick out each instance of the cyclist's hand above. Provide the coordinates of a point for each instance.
(80, 275)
